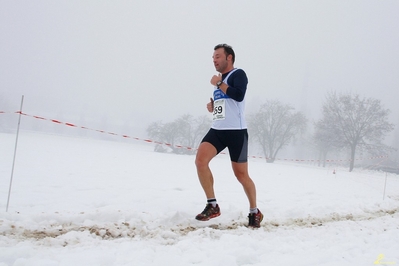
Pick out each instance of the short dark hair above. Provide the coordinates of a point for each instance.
(228, 50)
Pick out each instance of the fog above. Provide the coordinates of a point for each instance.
(136, 62)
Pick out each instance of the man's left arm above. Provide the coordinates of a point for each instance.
(238, 86)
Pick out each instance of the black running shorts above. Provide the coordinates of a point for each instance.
(235, 140)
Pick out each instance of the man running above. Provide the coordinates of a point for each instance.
(229, 130)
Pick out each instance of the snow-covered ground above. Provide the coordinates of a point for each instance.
(78, 201)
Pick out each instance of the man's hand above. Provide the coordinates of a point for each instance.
(215, 79)
(209, 106)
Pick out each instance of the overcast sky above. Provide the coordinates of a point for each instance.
(144, 61)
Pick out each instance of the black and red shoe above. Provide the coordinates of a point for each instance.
(208, 213)
(254, 219)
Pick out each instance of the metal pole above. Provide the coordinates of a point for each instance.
(15, 153)
(385, 186)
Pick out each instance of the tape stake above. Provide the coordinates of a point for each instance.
(15, 154)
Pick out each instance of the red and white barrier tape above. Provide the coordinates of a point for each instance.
(181, 146)
(100, 131)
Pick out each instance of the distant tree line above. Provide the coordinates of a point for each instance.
(349, 123)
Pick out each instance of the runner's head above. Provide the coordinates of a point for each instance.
(223, 58)
(228, 50)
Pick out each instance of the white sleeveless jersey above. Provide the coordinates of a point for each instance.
(228, 113)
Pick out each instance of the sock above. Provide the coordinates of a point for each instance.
(253, 210)
(213, 202)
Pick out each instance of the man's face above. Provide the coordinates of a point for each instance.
(219, 60)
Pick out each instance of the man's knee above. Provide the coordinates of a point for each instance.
(200, 162)
(242, 177)
(204, 155)
(240, 171)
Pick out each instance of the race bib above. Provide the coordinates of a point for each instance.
(219, 109)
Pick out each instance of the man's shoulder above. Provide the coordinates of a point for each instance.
(239, 73)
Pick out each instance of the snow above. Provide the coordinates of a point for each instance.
(77, 201)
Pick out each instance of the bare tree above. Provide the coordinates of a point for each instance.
(190, 132)
(183, 134)
(162, 133)
(274, 126)
(325, 140)
(202, 125)
(352, 122)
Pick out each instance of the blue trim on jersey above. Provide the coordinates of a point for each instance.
(218, 94)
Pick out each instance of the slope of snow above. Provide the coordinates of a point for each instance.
(78, 201)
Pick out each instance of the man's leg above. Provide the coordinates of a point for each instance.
(205, 153)
(255, 217)
(241, 172)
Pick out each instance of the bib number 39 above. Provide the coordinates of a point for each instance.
(219, 109)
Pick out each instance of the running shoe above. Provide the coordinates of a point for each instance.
(208, 213)
(254, 220)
